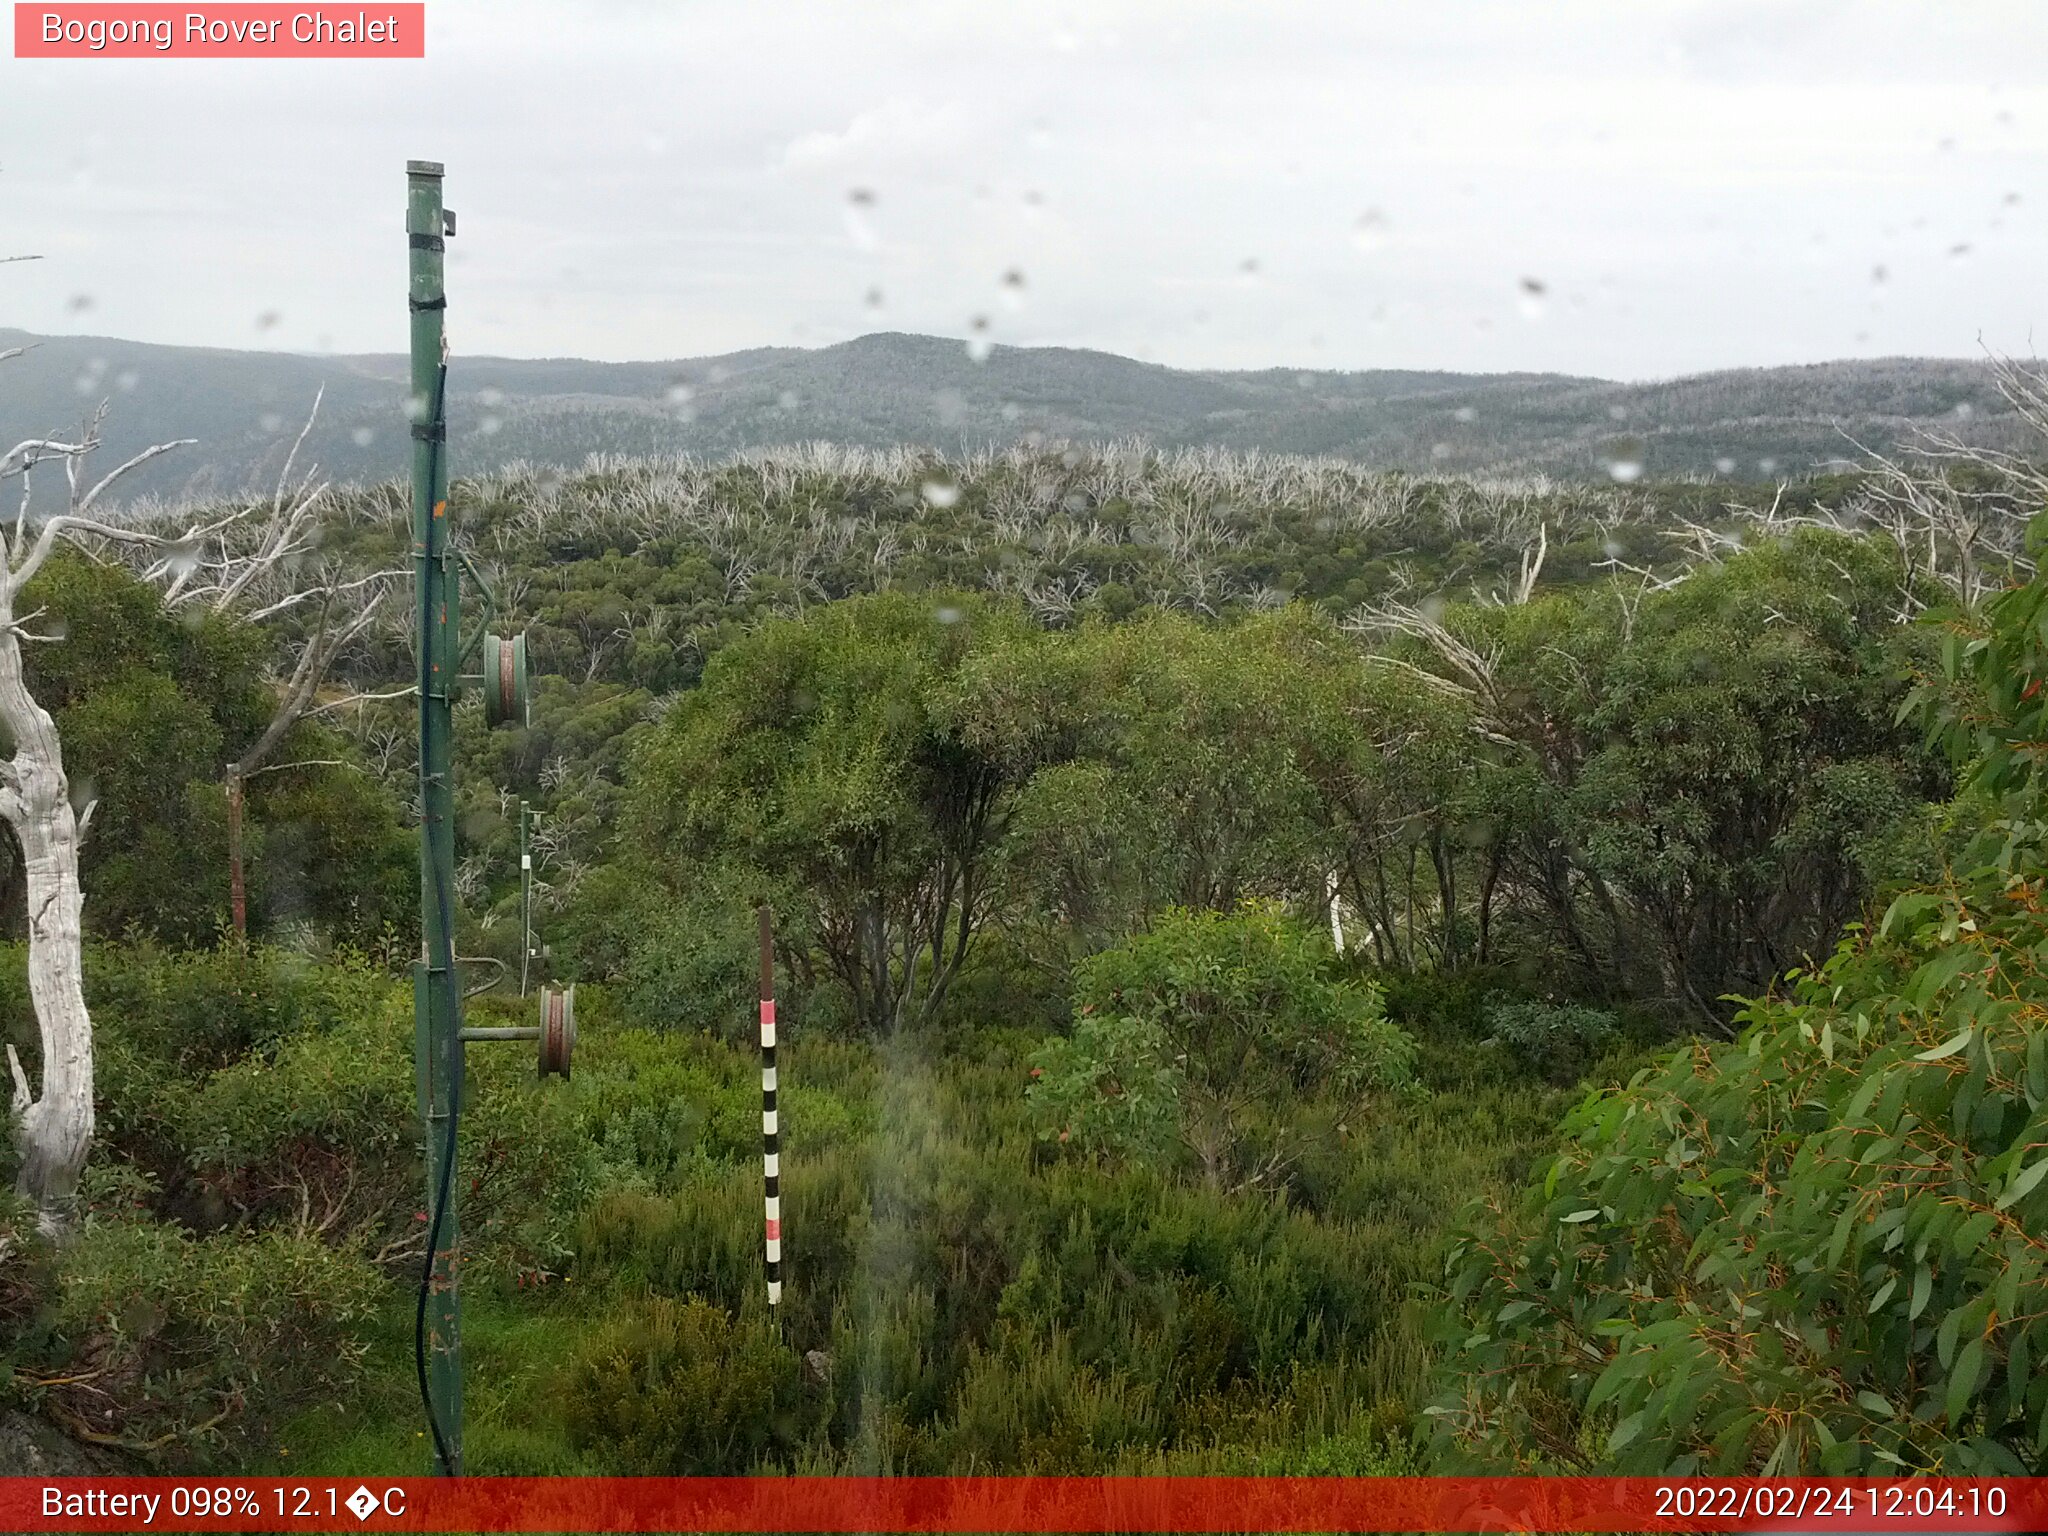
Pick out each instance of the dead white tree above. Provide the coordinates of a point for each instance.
(1523, 587)
(248, 559)
(1956, 512)
(53, 1127)
(1469, 672)
(263, 568)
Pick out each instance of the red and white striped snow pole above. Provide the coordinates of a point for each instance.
(771, 1131)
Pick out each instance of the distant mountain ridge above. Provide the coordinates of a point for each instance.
(891, 387)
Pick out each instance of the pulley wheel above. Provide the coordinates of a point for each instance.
(505, 691)
(557, 1030)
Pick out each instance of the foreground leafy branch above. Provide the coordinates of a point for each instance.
(1820, 1248)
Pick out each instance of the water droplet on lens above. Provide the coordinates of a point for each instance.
(874, 298)
(1724, 465)
(978, 345)
(939, 493)
(1533, 291)
(267, 321)
(80, 303)
(270, 421)
(1370, 231)
(1878, 273)
(1624, 460)
(362, 437)
(786, 400)
(1465, 413)
(489, 426)
(860, 228)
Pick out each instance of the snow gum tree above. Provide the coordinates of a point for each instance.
(53, 1126)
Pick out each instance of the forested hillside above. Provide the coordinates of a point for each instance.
(1288, 967)
(891, 389)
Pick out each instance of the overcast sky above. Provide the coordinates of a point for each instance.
(1627, 189)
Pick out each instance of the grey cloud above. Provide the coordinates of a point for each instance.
(1695, 185)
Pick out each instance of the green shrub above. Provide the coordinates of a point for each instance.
(1002, 988)
(162, 1015)
(1201, 1037)
(24, 1274)
(975, 1303)
(654, 1103)
(1560, 1041)
(694, 967)
(195, 1011)
(171, 1341)
(1438, 1003)
(1034, 1405)
(1810, 1251)
(1817, 1249)
(261, 1090)
(681, 1388)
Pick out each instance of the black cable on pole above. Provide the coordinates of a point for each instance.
(437, 426)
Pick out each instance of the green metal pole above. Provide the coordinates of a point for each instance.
(525, 893)
(436, 1000)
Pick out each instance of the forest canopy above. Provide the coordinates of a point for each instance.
(1282, 969)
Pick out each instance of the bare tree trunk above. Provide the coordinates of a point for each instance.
(238, 892)
(53, 1129)
(1486, 889)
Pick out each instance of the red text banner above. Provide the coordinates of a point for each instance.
(1023, 1504)
(236, 31)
